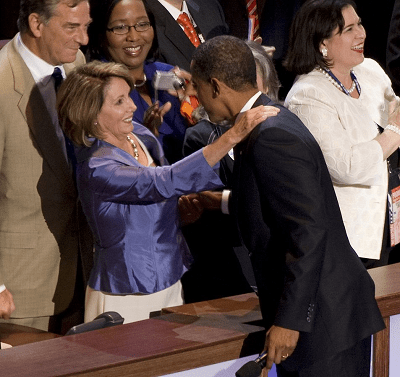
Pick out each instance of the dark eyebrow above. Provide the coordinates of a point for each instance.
(351, 25)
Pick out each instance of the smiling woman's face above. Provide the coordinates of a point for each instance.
(115, 117)
(132, 48)
(346, 50)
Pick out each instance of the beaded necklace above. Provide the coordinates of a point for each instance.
(336, 82)
(135, 149)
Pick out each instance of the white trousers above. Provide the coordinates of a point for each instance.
(132, 307)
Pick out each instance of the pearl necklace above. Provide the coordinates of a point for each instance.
(335, 81)
(143, 82)
(135, 149)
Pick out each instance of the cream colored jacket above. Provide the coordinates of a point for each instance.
(345, 128)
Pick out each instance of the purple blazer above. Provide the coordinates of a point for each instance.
(133, 213)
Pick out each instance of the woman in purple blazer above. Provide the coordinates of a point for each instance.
(129, 195)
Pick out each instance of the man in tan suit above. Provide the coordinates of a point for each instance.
(44, 246)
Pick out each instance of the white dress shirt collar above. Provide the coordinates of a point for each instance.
(174, 11)
(40, 70)
(249, 104)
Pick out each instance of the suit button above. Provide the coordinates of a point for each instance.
(308, 319)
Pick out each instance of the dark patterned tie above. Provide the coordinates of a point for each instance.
(58, 78)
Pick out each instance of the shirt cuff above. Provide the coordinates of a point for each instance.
(2, 288)
(225, 201)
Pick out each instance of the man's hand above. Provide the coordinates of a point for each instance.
(280, 344)
(187, 89)
(210, 200)
(6, 304)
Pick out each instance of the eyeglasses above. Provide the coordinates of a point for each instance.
(125, 29)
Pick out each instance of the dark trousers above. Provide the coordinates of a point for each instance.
(353, 362)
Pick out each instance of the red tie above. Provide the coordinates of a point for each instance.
(253, 14)
(188, 28)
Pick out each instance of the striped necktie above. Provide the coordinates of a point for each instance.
(253, 15)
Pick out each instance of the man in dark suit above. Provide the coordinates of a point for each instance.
(174, 46)
(316, 297)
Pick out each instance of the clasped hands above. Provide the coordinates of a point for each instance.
(193, 205)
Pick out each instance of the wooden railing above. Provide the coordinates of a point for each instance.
(185, 337)
(387, 292)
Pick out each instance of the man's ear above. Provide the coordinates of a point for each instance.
(35, 24)
(216, 87)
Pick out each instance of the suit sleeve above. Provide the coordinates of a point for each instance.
(293, 205)
(193, 141)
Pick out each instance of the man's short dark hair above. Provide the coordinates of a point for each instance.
(44, 8)
(227, 59)
(314, 22)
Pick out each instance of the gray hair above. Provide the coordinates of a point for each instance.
(266, 67)
(44, 8)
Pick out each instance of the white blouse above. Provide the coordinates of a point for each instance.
(345, 128)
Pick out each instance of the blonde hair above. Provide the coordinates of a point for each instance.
(81, 96)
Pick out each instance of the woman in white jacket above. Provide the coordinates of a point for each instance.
(345, 101)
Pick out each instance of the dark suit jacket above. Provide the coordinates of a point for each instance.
(174, 46)
(308, 276)
(275, 17)
(236, 16)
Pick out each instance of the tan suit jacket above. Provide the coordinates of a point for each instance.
(39, 211)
